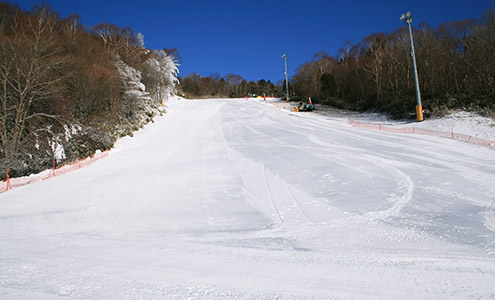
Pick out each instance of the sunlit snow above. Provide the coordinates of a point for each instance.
(236, 199)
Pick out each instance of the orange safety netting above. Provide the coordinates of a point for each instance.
(415, 130)
(9, 183)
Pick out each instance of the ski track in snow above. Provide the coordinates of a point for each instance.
(234, 199)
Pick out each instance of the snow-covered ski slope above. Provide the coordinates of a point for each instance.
(235, 199)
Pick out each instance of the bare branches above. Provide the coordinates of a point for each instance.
(122, 41)
(454, 61)
(30, 62)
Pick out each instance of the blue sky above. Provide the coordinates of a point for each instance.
(248, 38)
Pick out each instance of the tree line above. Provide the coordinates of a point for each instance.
(231, 85)
(456, 68)
(67, 91)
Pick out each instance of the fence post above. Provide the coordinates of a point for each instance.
(452, 132)
(380, 126)
(9, 185)
(54, 167)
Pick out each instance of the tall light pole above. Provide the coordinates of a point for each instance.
(286, 80)
(407, 18)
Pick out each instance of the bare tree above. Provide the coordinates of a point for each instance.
(234, 82)
(122, 41)
(375, 63)
(30, 62)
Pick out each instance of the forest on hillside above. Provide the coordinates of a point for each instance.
(231, 85)
(67, 91)
(456, 69)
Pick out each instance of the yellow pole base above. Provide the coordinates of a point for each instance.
(419, 113)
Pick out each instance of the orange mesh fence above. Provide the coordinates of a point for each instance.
(414, 130)
(9, 183)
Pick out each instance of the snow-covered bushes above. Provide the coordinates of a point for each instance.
(160, 75)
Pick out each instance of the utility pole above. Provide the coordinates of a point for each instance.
(407, 18)
(286, 79)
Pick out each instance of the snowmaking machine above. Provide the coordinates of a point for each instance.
(305, 107)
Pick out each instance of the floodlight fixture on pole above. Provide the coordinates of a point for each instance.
(407, 18)
(286, 79)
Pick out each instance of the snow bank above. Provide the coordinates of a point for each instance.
(463, 122)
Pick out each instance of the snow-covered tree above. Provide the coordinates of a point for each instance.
(135, 100)
(160, 75)
(140, 38)
(131, 81)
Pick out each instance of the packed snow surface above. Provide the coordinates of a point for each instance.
(235, 199)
